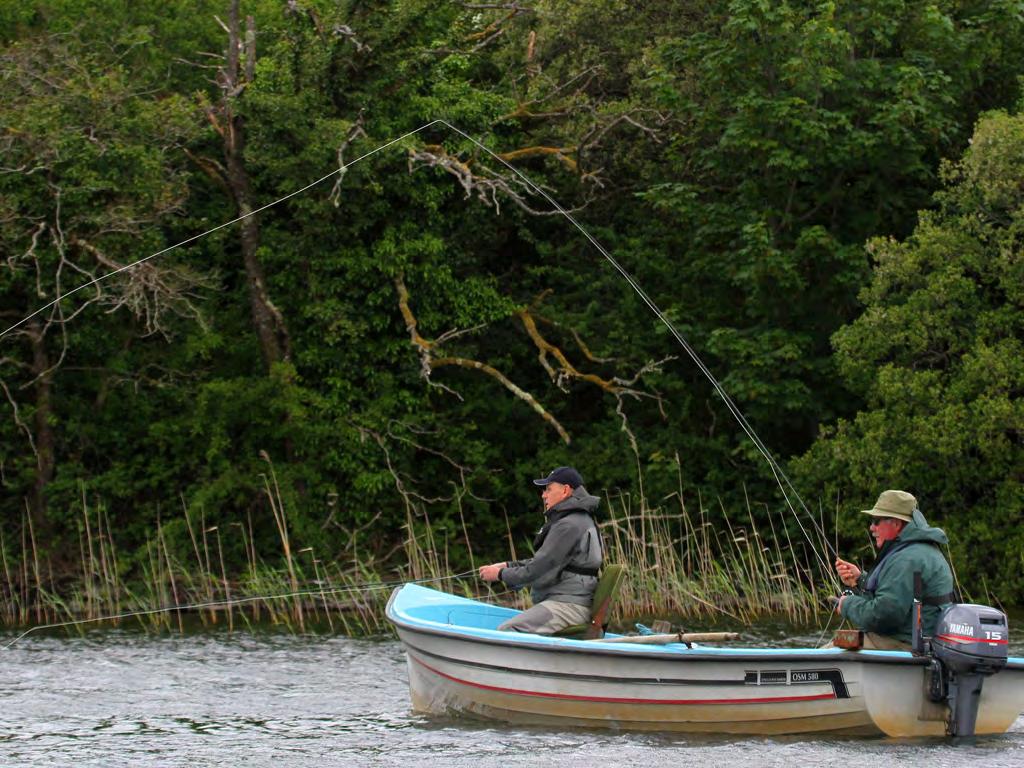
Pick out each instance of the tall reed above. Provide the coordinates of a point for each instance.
(680, 565)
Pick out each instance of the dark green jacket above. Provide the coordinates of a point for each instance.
(889, 609)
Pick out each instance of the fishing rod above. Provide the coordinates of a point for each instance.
(365, 587)
(778, 472)
(781, 478)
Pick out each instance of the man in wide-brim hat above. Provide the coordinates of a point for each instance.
(882, 603)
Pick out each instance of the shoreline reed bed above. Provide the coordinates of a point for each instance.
(679, 564)
(297, 591)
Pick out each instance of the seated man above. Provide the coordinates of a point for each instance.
(562, 573)
(883, 601)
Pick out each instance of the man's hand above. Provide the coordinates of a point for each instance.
(848, 572)
(839, 604)
(490, 572)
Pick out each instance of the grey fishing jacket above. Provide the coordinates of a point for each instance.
(571, 540)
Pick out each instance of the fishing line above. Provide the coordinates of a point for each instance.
(831, 615)
(777, 470)
(781, 478)
(366, 587)
(201, 235)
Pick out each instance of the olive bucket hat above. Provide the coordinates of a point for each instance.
(898, 504)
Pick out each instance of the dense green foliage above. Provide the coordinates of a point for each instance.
(770, 172)
(937, 355)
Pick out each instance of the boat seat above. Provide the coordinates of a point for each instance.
(607, 590)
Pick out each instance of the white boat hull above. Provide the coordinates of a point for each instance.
(455, 667)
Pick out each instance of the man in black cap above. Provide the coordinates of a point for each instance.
(562, 574)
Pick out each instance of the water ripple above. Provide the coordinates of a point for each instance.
(118, 698)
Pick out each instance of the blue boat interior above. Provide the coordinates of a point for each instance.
(421, 604)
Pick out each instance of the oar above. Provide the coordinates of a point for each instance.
(678, 637)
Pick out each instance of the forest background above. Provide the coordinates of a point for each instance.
(825, 198)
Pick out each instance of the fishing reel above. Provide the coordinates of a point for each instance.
(833, 600)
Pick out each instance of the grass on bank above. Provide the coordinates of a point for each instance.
(680, 567)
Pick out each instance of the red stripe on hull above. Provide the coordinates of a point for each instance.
(618, 700)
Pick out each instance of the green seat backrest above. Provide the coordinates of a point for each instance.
(607, 590)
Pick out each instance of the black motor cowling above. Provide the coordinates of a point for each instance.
(970, 643)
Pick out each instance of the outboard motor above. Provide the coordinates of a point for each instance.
(970, 643)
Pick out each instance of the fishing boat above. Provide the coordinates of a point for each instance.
(459, 662)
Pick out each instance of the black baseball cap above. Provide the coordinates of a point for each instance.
(565, 475)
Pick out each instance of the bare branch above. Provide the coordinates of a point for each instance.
(209, 166)
(575, 334)
(150, 292)
(407, 494)
(523, 111)
(24, 170)
(355, 131)
(487, 40)
(342, 30)
(211, 115)
(617, 386)
(455, 333)
(17, 419)
(522, 394)
(516, 7)
(594, 137)
(561, 153)
(197, 65)
(567, 370)
(488, 185)
(428, 362)
(462, 469)
(620, 410)
(31, 252)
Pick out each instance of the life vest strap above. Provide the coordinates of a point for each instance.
(581, 571)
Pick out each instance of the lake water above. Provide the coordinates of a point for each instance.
(123, 698)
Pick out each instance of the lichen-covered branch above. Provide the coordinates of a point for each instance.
(618, 387)
(428, 362)
(560, 153)
(477, 178)
(566, 369)
(519, 392)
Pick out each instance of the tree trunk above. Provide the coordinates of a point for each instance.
(267, 320)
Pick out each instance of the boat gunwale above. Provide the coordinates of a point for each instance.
(544, 644)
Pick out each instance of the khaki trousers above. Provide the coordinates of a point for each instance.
(547, 617)
(875, 642)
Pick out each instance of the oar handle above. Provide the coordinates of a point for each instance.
(678, 637)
